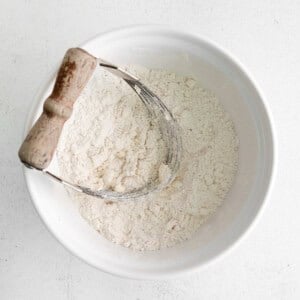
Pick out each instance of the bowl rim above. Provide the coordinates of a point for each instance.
(164, 29)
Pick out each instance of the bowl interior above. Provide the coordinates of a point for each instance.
(161, 48)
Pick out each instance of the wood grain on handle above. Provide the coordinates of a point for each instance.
(76, 69)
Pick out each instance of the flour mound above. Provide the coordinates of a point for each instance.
(111, 142)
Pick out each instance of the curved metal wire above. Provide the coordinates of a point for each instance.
(169, 129)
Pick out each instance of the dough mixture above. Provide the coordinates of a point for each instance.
(111, 142)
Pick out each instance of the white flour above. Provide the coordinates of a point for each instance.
(110, 142)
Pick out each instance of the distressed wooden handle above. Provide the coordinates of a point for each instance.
(38, 147)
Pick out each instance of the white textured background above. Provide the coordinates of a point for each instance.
(264, 35)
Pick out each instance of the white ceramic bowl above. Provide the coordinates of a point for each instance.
(159, 47)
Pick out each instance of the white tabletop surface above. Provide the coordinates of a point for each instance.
(264, 35)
